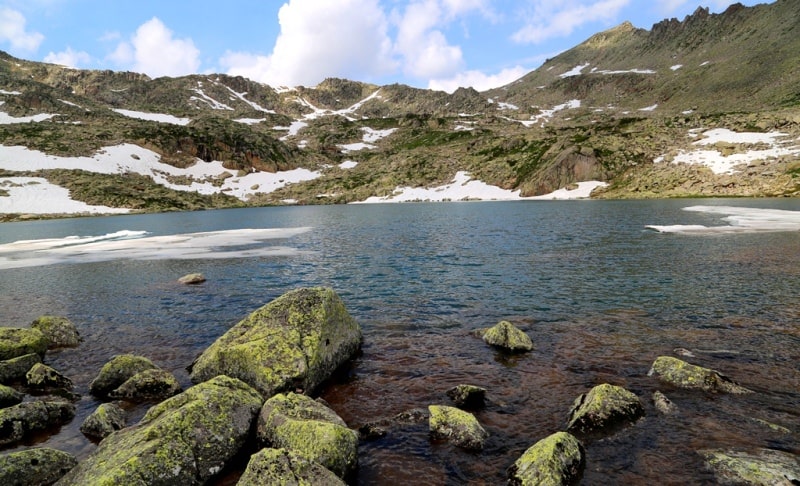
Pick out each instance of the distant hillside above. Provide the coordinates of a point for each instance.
(621, 107)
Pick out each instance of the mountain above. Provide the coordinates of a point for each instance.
(705, 106)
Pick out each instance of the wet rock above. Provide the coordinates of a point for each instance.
(147, 385)
(295, 342)
(192, 279)
(765, 467)
(15, 342)
(663, 404)
(309, 428)
(380, 428)
(373, 431)
(507, 336)
(467, 396)
(186, 439)
(605, 406)
(116, 372)
(14, 370)
(553, 461)
(107, 418)
(35, 467)
(9, 397)
(684, 375)
(280, 466)
(59, 331)
(41, 377)
(456, 426)
(19, 421)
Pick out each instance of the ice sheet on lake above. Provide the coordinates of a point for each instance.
(741, 220)
(137, 245)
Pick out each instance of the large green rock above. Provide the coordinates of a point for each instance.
(107, 418)
(152, 384)
(14, 369)
(309, 428)
(60, 331)
(457, 426)
(35, 467)
(117, 371)
(605, 406)
(186, 439)
(507, 336)
(16, 341)
(295, 341)
(553, 461)
(20, 421)
(42, 377)
(681, 374)
(9, 397)
(765, 467)
(286, 468)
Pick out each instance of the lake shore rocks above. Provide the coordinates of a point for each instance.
(20, 421)
(9, 396)
(186, 439)
(605, 406)
(507, 336)
(36, 466)
(14, 370)
(41, 377)
(107, 418)
(117, 371)
(293, 343)
(556, 460)
(456, 426)
(148, 385)
(281, 466)
(467, 396)
(765, 467)
(681, 374)
(59, 331)
(663, 404)
(17, 341)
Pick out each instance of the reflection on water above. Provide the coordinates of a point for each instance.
(600, 295)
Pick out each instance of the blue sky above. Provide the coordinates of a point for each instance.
(438, 44)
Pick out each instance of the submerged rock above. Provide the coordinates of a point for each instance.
(469, 396)
(152, 384)
(19, 421)
(107, 418)
(192, 279)
(15, 342)
(605, 406)
(766, 467)
(663, 404)
(117, 371)
(284, 467)
(457, 426)
(296, 341)
(553, 461)
(186, 439)
(35, 467)
(14, 370)
(681, 374)
(307, 427)
(507, 336)
(9, 397)
(60, 331)
(41, 377)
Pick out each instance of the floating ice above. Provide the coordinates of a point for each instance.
(742, 220)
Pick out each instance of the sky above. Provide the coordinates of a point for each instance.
(436, 44)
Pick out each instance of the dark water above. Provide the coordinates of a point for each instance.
(600, 295)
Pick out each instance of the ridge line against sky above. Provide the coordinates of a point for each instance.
(437, 44)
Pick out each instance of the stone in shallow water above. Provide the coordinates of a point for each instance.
(14, 370)
(192, 279)
(281, 466)
(764, 467)
(663, 404)
(22, 420)
(60, 331)
(507, 336)
(35, 466)
(457, 426)
(107, 418)
(16, 342)
(9, 397)
(604, 407)
(41, 376)
(556, 460)
(147, 385)
(117, 371)
(469, 396)
(681, 374)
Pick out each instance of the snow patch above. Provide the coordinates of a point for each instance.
(157, 117)
(35, 195)
(576, 71)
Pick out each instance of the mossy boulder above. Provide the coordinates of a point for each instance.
(556, 460)
(186, 439)
(192, 279)
(16, 341)
(284, 467)
(148, 385)
(19, 421)
(35, 467)
(9, 397)
(765, 467)
(604, 407)
(307, 427)
(295, 342)
(117, 371)
(14, 370)
(681, 374)
(663, 404)
(60, 331)
(41, 377)
(467, 396)
(456, 426)
(507, 336)
(107, 418)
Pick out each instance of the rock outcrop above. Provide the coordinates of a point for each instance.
(456, 426)
(35, 467)
(681, 374)
(556, 460)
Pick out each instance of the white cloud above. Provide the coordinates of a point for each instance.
(69, 58)
(424, 48)
(548, 20)
(13, 31)
(478, 80)
(344, 38)
(154, 51)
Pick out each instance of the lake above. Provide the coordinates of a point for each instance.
(600, 293)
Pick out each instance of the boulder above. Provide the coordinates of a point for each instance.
(147, 385)
(663, 404)
(186, 439)
(765, 467)
(309, 428)
(9, 397)
(681, 374)
(116, 372)
(457, 426)
(107, 418)
(508, 337)
(14, 370)
(15, 342)
(280, 466)
(553, 461)
(59, 331)
(604, 407)
(192, 279)
(19, 421)
(467, 396)
(379, 428)
(296, 341)
(41, 377)
(35, 467)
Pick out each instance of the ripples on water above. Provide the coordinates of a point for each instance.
(600, 294)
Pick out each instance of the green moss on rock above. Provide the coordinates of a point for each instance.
(469, 396)
(14, 370)
(284, 467)
(41, 376)
(107, 418)
(118, 371)
(19, 421)
(507, 336)
(9, 397)
(152, 384)
(681, 374)
(457, 426)
(764, 467)
(605, 406)
(35, 466)
(60, 331)
(553, 461)
(15, 342)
